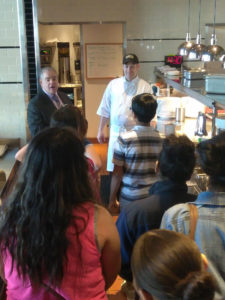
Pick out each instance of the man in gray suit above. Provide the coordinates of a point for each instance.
(49, 99)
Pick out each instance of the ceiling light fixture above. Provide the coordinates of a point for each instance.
(213, 52)
(197, 49)
(184, 48)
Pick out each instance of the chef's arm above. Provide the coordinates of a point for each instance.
(101, 134)
(115, 185)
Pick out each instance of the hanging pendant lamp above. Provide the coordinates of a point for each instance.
(197, 49)
(213, 52)
(184, 48)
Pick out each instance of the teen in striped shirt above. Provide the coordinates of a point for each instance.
(135, 154)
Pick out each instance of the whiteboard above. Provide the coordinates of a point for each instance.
(103, 60)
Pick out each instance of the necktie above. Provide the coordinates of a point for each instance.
(56, 101)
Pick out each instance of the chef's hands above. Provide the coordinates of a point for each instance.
(101, 137)
(101, 133)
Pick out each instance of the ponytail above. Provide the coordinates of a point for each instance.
(196, 285)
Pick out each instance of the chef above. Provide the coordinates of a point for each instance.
(116, 102)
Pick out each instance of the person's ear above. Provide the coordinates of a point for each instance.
(134, 116)
(204, 261)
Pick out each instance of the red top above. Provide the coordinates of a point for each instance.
(83, 277)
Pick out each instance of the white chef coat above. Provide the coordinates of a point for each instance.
(116, 105)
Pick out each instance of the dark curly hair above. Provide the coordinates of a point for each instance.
(168, 265)
(71, 116)
(212, 159)
(177, 158)
(53, 182)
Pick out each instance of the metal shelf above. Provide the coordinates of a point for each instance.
(210, 100)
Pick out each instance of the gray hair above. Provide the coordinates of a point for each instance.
(46, 69)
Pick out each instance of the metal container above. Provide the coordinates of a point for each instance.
(215, 83)
(194, 74)
(201, 125)
(180, 114)
(196, 83)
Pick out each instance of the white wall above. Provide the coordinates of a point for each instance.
(150, 19)
(96, 33)
(12, 103)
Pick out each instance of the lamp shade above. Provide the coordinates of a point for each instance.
(197, 49)
(213, 52)
(185, 47)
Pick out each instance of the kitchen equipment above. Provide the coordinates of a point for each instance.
(194, 74)
(180, 114)
(165, 127)
(64, 62)
(173, 61)
(213, 51)
(192, 107)
(184, 48)
(197, 49)
(215, 83)
(220, 124)
(46, 55)
(77, 65)
(196, 83)
(166, 107)
(201, 125)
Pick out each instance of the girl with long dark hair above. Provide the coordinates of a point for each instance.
(55, 241)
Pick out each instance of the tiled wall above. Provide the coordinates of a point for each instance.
(162, 20)
(12, 104)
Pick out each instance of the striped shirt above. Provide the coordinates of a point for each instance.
(137, 151)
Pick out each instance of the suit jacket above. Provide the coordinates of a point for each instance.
(40, 109)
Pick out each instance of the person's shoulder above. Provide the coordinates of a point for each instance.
(144, 82)
(104, 220)
(63, 96)
(34, 99)
(155, 134)
(61, 93)
(141, 212)
(102, 212)
(178, 210)
(116, 81)
(143, 206)
(127, 135)
(38, 98)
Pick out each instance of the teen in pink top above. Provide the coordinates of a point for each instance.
(54, 239)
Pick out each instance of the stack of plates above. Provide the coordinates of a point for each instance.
(167, 107)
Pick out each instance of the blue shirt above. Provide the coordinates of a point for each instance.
(209, 234)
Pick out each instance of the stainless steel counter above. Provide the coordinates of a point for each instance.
(214, 101)
(188, 127)
(210, 100)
